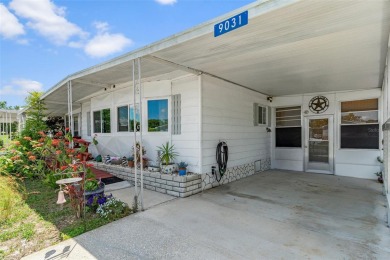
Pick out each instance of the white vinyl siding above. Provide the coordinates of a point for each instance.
(228, 116)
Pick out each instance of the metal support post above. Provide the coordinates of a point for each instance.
(135, 137)
(140, 131)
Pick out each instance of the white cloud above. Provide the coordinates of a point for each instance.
(20, 87)
(105, 43)
(101, 27)
(166, 2)
(9, 24)
(47, 19)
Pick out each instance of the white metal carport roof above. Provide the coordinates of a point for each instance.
(8, 115)
(288, 47)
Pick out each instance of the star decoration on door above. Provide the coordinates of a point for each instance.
(318, 104)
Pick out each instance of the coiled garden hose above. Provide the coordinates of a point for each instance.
(222, 156)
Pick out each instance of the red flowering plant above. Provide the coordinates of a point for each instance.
(44, 157)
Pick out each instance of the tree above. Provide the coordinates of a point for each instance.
(35, 115)
(3, 105)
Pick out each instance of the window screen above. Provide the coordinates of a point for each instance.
(176, 114)
(88, 123)
(359, 124)
(288, 132)
(102, 121)
(262, 115)
(106, 122)
(137, 118)
(97, 122)
(123, 119)
(76, 125)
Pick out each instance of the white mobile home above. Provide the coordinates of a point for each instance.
(299, 85)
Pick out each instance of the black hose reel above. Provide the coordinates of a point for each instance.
(222, 155)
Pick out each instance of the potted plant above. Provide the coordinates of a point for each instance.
(153, 167)
(93, 187)
(167, 155)
(182, 168)
(130, 161)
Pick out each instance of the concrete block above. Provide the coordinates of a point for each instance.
(149, 178)
(161, 190)
(179, 189)
(185, 194)
(173, 193)
(191, 188)
(167, 177)
(155, 184)
(193, 177)
(183, 184)
(196, 181)
(150, 187)
(167, 187)
(146, 182)
(161, 181)
(196, 191)
(180, 178)
(173, 183)
(155, 175)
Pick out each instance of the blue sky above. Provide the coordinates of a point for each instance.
(43, 41)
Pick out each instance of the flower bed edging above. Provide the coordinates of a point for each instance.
(178, 186)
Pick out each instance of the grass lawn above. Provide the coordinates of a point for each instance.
(4, 138)
(30, 219)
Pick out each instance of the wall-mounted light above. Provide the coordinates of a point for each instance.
(269, 98)
(268, 130)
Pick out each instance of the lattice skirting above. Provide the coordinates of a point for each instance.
(235, 173)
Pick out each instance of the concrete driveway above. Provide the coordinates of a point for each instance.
(270, 215)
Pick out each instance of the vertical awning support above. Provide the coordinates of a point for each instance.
(70, 112)
(10, 125)
(137, 90)
(140, 131)
(135, 138)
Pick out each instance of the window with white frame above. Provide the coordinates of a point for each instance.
(126, 118)
(102, 121)
(359, 126)
(158, 115)
(288, 130)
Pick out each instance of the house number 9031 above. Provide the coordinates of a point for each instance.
(231, 24)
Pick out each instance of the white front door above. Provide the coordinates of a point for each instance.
(319, 144)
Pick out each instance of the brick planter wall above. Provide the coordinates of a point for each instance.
(178, 186)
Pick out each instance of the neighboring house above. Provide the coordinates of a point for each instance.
(7, 118)
(303, 86)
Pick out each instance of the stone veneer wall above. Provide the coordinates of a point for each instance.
(234, 173)
(184, 186)
(178, 186)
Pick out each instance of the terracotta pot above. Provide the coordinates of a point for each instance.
(131, 164)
